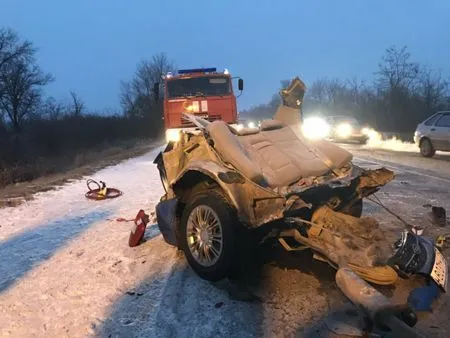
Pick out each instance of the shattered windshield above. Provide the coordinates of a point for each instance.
(199, 86)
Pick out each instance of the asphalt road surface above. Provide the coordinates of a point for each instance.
(75, 276)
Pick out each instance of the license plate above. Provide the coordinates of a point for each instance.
(439, 273)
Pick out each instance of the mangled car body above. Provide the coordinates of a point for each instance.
(225, 187)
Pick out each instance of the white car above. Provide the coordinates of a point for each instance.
(433, 134)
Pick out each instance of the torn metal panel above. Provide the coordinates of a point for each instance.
(349, 239)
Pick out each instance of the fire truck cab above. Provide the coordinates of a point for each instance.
(203, 92)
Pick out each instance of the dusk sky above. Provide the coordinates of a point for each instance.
(89, 46)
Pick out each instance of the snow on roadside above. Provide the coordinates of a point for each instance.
(66, 271)
(376, 142)
(62, 263)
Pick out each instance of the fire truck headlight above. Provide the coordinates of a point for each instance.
(239, 126)
(172, 135)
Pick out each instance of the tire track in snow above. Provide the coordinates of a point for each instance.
(180, 304)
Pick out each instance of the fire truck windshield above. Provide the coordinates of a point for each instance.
(199, 86)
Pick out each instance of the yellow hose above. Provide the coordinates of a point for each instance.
(381, 275)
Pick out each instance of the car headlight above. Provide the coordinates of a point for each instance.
(315, 128)
(251, 125)
(344, 130)
(172, 135)
(239, 127)
(365, 131)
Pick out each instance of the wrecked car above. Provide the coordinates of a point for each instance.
(225, 187)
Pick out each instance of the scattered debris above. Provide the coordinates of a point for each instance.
(377, 201)
(442, 241)
(418, 230)
(101, 192)
(218, 305)
(347, 322)
(421, 298)
(139, 294)
(384, 314)
(80, 253)
(117, 263)
(120, 219)
(131, 293)
(439, 215)
(138, 229)
(127, 322)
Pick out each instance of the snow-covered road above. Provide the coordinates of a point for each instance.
(67, 271)
(63, 264)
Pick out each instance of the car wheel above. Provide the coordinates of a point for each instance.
(426, 148)
(208, 231)
(354, 209)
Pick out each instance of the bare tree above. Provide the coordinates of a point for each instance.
(137, 95)
(433, 89)
(396, 71)
(21, 81)
(77, 104)
(128, 99)
(12, 48)
(52, 109)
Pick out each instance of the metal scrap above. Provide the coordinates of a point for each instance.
(439, 215)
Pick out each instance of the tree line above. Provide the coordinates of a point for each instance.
(41, 135)
(402, 94)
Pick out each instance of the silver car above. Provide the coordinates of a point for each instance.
(433, 134)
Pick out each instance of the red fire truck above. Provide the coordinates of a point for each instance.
(203, 92)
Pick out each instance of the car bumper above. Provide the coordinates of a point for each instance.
(417, 140)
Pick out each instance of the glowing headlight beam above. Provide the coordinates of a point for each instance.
(172, 135)
(344, 130)
(315, 128)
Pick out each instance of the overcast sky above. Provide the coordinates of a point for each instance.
(89, 46)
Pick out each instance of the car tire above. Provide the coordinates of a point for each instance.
(354, 209)
(224, 255)
(426, 148)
